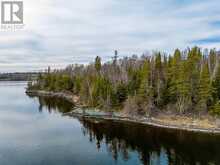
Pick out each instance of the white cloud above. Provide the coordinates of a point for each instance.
(62, 32)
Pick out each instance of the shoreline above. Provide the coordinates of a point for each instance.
(67, 96)
(167, 123)
(145, 121)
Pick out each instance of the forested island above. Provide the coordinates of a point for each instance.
(186, 83)
(19, 76)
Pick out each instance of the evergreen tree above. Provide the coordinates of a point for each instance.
(216, 85)
(205, 87)
(143, 91)
(98, 64)
(193, 72)
(158, 79)
(174, 74)
(186, 80)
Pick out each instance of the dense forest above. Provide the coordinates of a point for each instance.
(187, 81)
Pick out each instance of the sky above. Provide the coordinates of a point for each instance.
(58, 33)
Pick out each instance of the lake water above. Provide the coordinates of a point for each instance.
(34, 131)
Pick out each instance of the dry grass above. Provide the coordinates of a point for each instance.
(206, 122)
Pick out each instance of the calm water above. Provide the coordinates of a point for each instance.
(33, 131)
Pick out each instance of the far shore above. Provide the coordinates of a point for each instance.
(205, 124)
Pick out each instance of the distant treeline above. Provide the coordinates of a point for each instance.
(185, 82)
(28, 76)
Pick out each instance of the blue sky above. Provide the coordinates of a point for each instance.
(59, 32)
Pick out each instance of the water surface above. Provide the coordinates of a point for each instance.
(34, 131)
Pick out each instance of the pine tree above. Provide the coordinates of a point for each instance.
(182, 86)
(158, 79)
(216, 85)
(186, 80)
(193, 72)
(98, 64)
(205, 87)
(143, 91)
(174, 74)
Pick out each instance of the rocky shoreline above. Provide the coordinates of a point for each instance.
(64, 95)
(186, 124)
(141, 120)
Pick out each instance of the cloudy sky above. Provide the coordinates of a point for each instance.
(58, 32)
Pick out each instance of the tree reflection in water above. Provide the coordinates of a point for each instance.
(53, 104)
(153, 145)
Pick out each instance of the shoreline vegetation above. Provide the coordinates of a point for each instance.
(180, 91)
(205, 124)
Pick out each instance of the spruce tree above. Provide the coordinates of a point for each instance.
(174, 71)
(98, 64)
(205, 87)
(216, 85)
(143, 91)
